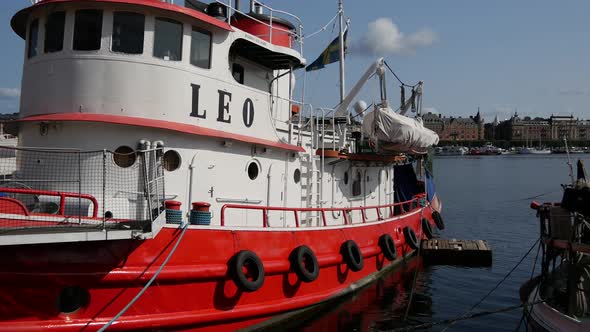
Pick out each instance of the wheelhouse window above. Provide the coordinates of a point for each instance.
(33, 36)
(128, 31)
(87, 30)
(54, 32)
(201, 48)
(168, 39)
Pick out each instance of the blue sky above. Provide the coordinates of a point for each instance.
(500, 55)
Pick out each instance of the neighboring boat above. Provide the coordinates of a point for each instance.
(572, 150)
(557, 300)
(510, 151)
(452, 150)
(166, 179)
(486, 150)
(491, 150)
(534, 151)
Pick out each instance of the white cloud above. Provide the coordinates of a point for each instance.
(383, 37)
(9, 93)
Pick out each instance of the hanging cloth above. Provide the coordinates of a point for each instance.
(408, 103)
(403, 97)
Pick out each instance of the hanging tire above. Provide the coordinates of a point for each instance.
(411, 238)
(438, 221)
(388, 247)
(426, 228)
(247, 271)
(352, 255)
(305, 264)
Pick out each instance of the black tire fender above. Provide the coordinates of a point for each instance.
(352, 255)
(305, 264)
(411, 238)
(427, 228)
(438, 220)
(251, 280)
(388, 248)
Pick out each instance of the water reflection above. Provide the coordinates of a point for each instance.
(483, 198)
(380, 306)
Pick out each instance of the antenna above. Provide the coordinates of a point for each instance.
(341, 42)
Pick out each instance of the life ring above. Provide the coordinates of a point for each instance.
(426, 228)
(247, 271)
(352, 255)
(410, 237)
(438, 220)
(388, 246)
(305, 264)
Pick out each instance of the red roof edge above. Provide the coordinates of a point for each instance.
(161, 124)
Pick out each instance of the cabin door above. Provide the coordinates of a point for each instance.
(382, 191)
(202, 182)
(275, 194)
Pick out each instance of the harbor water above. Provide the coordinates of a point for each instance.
(485, 198)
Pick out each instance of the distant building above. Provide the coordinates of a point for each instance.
(563, 126)
(529, 130)
(455, 129)
(584, 130)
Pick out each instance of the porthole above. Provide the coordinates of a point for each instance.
(171, 160)
(71, 299)
(124, 156)
(345, 177)
(253, 170)
(297, 175)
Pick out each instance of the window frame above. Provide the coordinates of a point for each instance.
(169, 20)
(210, 55)
(114, 13)
(63, 31)
(102, 15)
(30, 46)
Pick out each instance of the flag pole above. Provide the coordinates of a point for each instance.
(341, 19)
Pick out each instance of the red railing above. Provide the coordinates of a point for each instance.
(62, 197)
(343, 210)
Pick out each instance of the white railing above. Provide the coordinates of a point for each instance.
(47, 191)
(272, 14)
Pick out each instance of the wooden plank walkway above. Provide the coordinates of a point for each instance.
(473, 253)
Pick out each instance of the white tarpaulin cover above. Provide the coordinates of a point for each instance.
(397, 133)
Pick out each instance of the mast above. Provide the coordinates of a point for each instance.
(341, 42)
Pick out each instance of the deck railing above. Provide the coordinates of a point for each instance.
(404, 207)
(69, 190)
(272, 14)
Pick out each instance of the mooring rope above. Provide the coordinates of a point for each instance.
(531, 197)
(451, 321)
(530, 278)
(498, 284)
(117, 316)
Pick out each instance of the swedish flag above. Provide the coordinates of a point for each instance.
(329, 55)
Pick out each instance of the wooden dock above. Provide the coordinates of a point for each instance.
(473, 253)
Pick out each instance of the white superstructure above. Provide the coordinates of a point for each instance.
(219, 100)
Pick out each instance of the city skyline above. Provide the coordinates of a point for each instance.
(487, 120)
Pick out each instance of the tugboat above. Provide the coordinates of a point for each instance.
(167, 179)
(558, 299)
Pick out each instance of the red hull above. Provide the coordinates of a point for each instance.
(194, 291)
